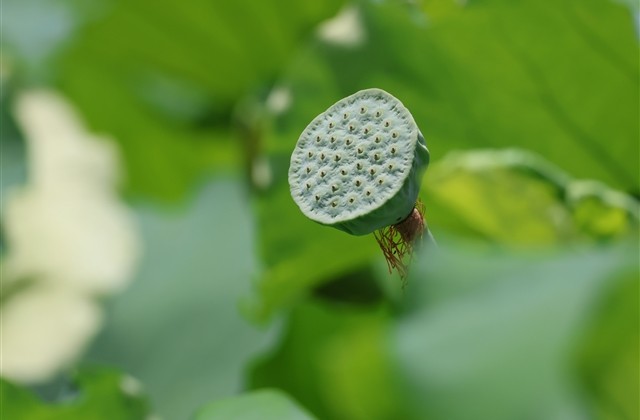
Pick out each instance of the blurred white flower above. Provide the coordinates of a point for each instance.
(67, 225)
(345, 29)
(44, 329)
(68, 237)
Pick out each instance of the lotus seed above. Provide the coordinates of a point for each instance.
(355, 141)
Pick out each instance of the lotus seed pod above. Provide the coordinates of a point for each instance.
(357, 166)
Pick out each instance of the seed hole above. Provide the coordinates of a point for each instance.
(368, 193)
(310, 154)
(308, 169)
(372, 171)
(333, 204)
(317, 198)
(330, 125)
(366, 131)
(337, 158)
(390, 166)
(321, 156)
(333, 139)
(351, 127)
(386, 123)
(351, 200)
(362, 110)
(348, 142)
(359, 165)
(394, 135)
(322, 174)
(308, 186)
(345, 116)
(334, 188)
(393, 150)
(376, 156)
(318, 139)
(360, 150)
(380, 181)
(378, 113)
(343, 172)
(377, 139)
(358, 183)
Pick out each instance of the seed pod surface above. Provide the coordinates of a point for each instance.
(357, 166)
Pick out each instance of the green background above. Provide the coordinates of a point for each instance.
(243, 308)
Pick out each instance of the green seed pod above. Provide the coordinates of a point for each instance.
(357, 166)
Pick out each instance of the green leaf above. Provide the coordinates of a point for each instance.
(258, 405)
(492, 335)
(164, 80)
(609, 353)
(178, 326)
(101, 394)
(334, 359)
(517, 198)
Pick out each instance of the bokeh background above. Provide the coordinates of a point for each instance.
(155, 266)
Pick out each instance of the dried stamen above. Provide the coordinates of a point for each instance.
(398, 241)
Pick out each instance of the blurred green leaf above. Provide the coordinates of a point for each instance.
(333, 359)
(101, 393)
(491, 335)
(178, 327)
(258, 405)
(609, 353)
(515, 197)
(164, 80)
